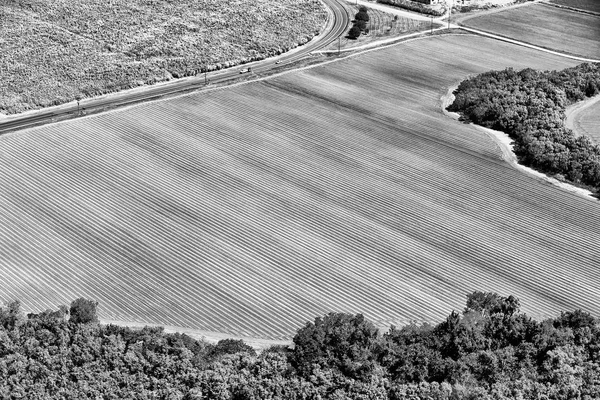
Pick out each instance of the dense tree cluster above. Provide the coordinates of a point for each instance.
(529, 106)
(490, 350)
(418, 6)
(360, 23)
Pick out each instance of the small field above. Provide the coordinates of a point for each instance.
(585, 5)
(381, 25)
(252, 209)
(586, 119)
(53, 51)
(543, 25)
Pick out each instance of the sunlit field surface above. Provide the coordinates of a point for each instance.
(547, 26)
(252, 209)
(585, 5)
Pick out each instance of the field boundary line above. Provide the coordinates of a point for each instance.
(548, 3)
(525, 44)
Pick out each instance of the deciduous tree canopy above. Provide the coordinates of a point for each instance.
(489, 351)
(530, 107)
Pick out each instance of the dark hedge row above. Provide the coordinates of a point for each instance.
(415, 6)
(489, 351)
(529, 106)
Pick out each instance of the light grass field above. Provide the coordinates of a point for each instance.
(250, 210)
(546, 26)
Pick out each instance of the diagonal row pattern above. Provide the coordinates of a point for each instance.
(252, 209)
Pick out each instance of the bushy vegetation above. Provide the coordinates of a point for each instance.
(415, 6)
(529, 106)
(360, 23)
(488, 351)
(53, 51)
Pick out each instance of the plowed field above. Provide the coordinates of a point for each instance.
(585, 5)
(546, 26)
(252, 209)
(586, 120)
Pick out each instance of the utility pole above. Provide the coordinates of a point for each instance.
(431, 25)
(339, 44)
(78, 98)
(450, 14)
(205, 77)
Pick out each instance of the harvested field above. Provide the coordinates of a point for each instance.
(53, 51)
(546, 26)
(252, 209)
(585, 5)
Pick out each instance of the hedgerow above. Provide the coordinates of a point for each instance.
(415, 6)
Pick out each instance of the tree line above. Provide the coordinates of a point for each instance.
(490, 350)
(529, 106)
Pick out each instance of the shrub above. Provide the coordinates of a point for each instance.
(343, 342)
(354, 32)
(232, 346)
(362, 16)
(83, 311)
(362, 25)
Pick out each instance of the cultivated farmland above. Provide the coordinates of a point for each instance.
(586, 119)
(53, 51)
(381, 25)
(585, 5)
(546, 26)
(344, 188)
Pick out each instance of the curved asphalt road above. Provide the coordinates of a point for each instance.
(336, 26)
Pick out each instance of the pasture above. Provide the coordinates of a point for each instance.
(546, 26)
(53, 51)
(252, 209)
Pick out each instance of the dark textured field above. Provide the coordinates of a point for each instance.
(546, 26)
(252, 209)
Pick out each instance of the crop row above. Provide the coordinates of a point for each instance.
(223, 213)
(587, 121)
(53, 51)
(546, 26)
(585, 5)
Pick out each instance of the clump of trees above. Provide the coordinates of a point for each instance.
(529, 106)
(490, 350)
(418, 6)
(360, 23)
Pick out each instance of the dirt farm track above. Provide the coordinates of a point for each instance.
(251, 209)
